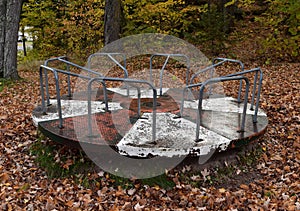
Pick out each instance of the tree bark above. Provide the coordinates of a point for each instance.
(2, 34)
(10, 11)
(112, 21)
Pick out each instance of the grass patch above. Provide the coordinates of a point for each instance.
(228, 174)
(5, 82)
(247, 161)
(162, 181)
(250, 158)
(117, 181)
(30, 62)
(1, 84)
(59, 161)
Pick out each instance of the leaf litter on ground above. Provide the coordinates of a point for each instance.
(274, 186)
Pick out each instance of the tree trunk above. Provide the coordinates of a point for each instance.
(10, 11)
(2, 34)
(112, 21)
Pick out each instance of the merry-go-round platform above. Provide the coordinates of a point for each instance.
(143, 118)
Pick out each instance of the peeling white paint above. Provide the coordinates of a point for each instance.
(174, 137)
(72, 108)
(224, 104)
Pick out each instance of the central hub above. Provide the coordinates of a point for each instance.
(150, 104)
(163, 104)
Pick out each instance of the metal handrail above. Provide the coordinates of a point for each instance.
(217, 80)
(42, 67)
(202, 87)
(63, 59)
(80, 67)
(55, 71)
(164, 66)
(256, 70)
(126, 80)
(214, 64)
(110, 56)
(46, 76)
(223, 60)
(229, 60)
(242, 69)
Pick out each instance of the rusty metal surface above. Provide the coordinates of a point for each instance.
(111, 131)
(137, 117)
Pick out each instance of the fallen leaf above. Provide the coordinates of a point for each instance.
(4, 177)
(3, 117)
(130, 192)
(138, 207)
(222, 190)
(205, 173)
(245, 187)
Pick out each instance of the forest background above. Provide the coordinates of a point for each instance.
(268, 29)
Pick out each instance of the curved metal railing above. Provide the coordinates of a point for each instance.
(202, 87)
(168, 56)
(44, 69)
(64, 60)
(239, 76)
(112, 58)
(125, 80)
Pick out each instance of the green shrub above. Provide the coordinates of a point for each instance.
(283, 20)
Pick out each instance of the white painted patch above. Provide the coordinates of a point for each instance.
(133, 93)
(174, 137)
(225, 104)
(72, 108)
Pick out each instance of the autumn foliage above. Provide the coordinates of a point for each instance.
(267, 35)
(268, 180)
(76, 28)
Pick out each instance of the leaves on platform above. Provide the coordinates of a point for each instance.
(270, 183)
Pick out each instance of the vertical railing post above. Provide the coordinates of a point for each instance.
(258, 95)
(253, 91)
(139, 101)
(57, 87)
(245, 104)
(58, 99)
(90, 129)
(154, 115)
(161, 74)
(42, 91)
(216, 80)
(47, 87)
(69, 81)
